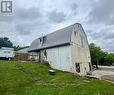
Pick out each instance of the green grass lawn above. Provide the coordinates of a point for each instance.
(17, 78)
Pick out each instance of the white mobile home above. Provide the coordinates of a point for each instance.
(6, 52)
(65, 49)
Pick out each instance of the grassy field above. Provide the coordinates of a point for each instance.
(17, 78)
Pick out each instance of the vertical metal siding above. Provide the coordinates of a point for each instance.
(59, 58)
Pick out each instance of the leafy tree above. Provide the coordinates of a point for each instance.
(100, 57)
(96, 54)
(102, 61)
(109, 59)
(5, 42)
(16, 48)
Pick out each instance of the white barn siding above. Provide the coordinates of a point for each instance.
(59, 58)
(80, 50)
(33, 56)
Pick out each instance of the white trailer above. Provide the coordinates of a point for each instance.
(6, 52)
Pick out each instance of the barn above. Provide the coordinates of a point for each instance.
(65, 49)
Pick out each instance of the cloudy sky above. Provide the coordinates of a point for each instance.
(31, 18)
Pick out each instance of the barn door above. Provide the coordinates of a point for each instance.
(77, 67)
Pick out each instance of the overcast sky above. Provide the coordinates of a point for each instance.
(31, 18)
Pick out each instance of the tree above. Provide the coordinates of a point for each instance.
(16, 48)
(109, 59)
(100, 57)
(102, 61)
(96, 54)
(5, 42)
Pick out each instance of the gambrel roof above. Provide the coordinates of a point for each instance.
(54, 39)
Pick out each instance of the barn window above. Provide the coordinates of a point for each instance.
(75, 33)
(45, 53)
(40, 40)
(44, 39)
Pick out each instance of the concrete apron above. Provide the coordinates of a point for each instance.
(103, 75)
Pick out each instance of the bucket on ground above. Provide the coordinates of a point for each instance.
(51, 72)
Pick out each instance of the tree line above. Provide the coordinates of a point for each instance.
(5, 42)
(99, 57)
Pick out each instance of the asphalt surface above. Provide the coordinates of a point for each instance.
(105, 73)
(107, 68)
(108, 77)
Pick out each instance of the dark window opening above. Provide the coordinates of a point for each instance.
(90, 66)
(45, 53)
(40, 40)
(75, 33)
(78, 67)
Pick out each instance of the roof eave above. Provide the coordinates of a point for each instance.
(42, 48)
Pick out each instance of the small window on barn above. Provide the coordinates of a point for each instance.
(45, 53)
(44, 39)
(75, 33)
(40, 40)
